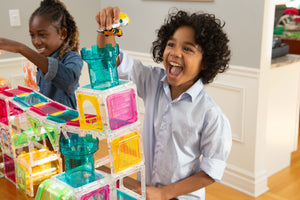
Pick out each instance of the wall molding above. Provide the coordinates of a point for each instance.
(245, 181)
(238, 133)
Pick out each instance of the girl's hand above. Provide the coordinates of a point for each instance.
(108, 16)
(10, 45)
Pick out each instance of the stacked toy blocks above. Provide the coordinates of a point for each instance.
(114, 120)
(26, 119)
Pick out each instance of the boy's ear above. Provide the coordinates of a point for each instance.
(63, 33)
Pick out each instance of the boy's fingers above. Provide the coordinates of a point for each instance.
(116, 12)
(102, 19)
(109, 17)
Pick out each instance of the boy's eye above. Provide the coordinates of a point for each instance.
(187, 49)
(170, 44)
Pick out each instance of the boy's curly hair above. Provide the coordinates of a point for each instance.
(209, 35)
(56, 12)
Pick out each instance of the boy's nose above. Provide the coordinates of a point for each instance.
(176, 52)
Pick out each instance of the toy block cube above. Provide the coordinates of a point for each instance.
(126, 150)
(115, 108)
(123, 191)
(98, 189)
(34, 167)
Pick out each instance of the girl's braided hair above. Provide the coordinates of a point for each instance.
(208, 34)
(57, 13)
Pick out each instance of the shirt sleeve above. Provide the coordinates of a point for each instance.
(216, 142)
(125, 67)
(145, 77)
(64, 73)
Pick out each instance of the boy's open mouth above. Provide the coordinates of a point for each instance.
(175, 69)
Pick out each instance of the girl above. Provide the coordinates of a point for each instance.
(54, 34)
(182, 123)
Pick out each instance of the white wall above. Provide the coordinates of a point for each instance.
(82, 11)
(243, 24)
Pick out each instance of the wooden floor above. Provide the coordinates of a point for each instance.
(285, 185)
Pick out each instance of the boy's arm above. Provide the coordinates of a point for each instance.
(185, 186)
(105, 18)
(188, 185)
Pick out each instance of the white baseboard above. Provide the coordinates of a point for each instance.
(245, 181)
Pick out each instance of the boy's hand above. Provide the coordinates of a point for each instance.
(108, 16)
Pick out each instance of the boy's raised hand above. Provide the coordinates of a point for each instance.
(108, 16)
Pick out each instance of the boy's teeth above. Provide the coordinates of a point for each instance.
(174, 64)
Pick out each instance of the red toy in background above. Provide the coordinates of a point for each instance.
(29, 74)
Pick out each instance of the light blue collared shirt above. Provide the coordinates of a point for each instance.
(177, 132)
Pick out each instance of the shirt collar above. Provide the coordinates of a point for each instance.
(56, 53)
(191, 93)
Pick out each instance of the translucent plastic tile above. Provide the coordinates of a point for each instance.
(124, 196)
(126, 151)
(62, 117)
(9, 166)
(53, 133)
(6, 142)
(14, 109)
(30, 99)
(3, 112)
(36, 125)
(52, 190)
(16, 91)
(47, 108)
(122, 109)
(89, 122)
(101, 193)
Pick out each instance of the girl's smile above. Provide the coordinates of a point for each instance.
(45, 37)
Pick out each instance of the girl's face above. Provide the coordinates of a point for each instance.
(182, 59)
(44, 36)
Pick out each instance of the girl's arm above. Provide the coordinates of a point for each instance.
(16, 47)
